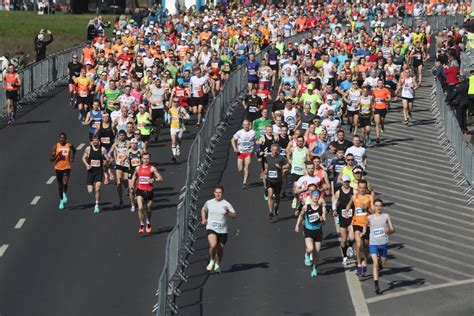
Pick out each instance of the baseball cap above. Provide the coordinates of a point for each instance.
(134, 140)
(357, 169)
(142, 106)
(315, 192)
(345, 178)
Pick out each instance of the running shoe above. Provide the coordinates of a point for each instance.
(307, 260)
(293, 203)
(377, 289)
(106, 178)
(148, 228)
(120, 205)
(344, 262)
(217, 268)
(314, 272)
(132, 209)
(377, 140)
(405, 122)
(265, 196)
(96, 209)
(336, 219)
(244, 185)
(65, 199)
(359, 271)
(79, 117)
(270, 216)
(61, 205)
(276, 210)
(350, 252)
(210, 266)
(382, 129)
(9, 121)
(141, 230)
(174, 159)
(368, 141)
(363, 270)
(178, 151)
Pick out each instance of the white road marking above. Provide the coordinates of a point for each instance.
(3, 248)
(35, 200)
(80, 146)
(20, 223)
(355, 289)
(51, 180)
(413, 291)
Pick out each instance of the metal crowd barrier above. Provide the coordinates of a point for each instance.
(40, 77)
(460, 152)
(437, 22)
(179, 244)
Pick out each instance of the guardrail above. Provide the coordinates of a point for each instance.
(179, 244)
(436, 22)
(40, 77)
(451, 138)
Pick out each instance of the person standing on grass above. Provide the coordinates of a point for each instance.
(41, 43)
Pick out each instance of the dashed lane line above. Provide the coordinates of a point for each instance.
(51, 180)
(80, 146)
(20, 223)
(3, 248)
(35, 200)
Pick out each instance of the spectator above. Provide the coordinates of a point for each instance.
(451, 72)
(41, 43)
(19, 59)
(459, 101)
(438, 71)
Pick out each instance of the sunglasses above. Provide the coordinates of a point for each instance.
(350, 159)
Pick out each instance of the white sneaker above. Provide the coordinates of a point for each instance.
(178, 151)
(132, 209)
(344, 262)
(210, 266)
(350, 252)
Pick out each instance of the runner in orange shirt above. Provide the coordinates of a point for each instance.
(88, 54)
(362, 203)
(63, 155)
(381, 98)
(11, 84)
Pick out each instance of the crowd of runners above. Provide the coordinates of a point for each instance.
(305, 101)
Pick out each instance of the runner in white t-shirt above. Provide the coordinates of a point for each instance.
(301, 186)
(243, 143)
(214, 215)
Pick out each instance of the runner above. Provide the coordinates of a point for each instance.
(11, 83)
(381, 98)
(408, 86)
(144, 123)
(134, 157)
(352, 99)
(74, 68)
(252, 105)
(156, 96)
(93, 119)
(358, 151)
(144, 177)
(340, 199)
(274, 165)
(119, 153)
(297, 157)
(314, 214)
(301, 187)
(176, 117)
(380, 225)
(365, 115)
(200, 89)
(243, 143)
(84, 85)
(94, 158)
(213, 215)
(63, 156)
(362, 204)
(107, 139)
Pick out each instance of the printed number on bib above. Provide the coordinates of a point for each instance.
(135, 162)
(65, 152)
(95, 163)
(216, 224)
(252, 109)
(313, 217)
(304, 125)
(144, 180)
(379, 232)
(346, 213)
(105, 140)
(297, 168)
(272, 174)
(360, 211)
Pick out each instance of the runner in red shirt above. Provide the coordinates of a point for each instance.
(264, 94)
(144, 177)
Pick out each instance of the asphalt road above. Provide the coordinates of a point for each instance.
(73, 262)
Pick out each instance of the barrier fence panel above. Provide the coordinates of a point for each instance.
(39, 77)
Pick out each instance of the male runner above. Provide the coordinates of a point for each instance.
(144, 176)
(134, 157)
(274, 164)
(380, 226)
(243, 143)
(11, 83)
(176, 117)
(63, 155)
(119, 153)
(301, 186)
(314, 215)
(340, 199)
(93, 158)
(213, 215)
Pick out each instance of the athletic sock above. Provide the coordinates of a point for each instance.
(142, 223)
(148, 222)
(173, 150)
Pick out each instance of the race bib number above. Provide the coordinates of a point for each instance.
(120, 157)
(216, 224)
(378, 100)
(360, 211)
(273, 62)
(297, 168)
(64, 152)
(95, 163)
(304, 125)
(240, 52)
(346, 213)
(379, 232)
(83, 93)
(135, 162)
(313, 217)
(214, 65)
(252, 109)
(246, 144)
(141, 125)
(365, 110)
(252, 72)
(272, 174)
(96, 125)
(105, 140)
(144, 180)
